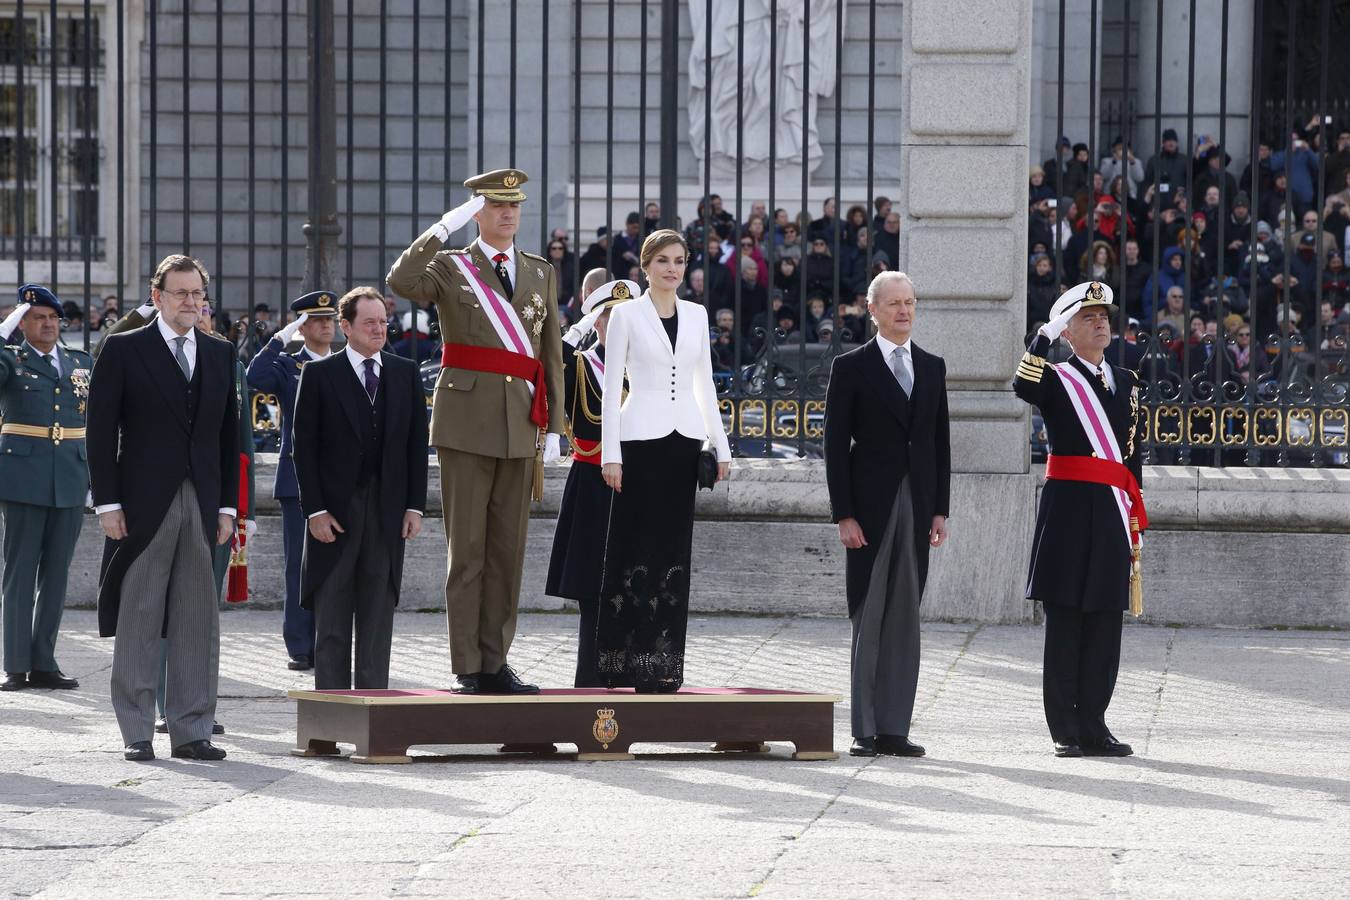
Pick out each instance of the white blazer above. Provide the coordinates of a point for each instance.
(666, 391)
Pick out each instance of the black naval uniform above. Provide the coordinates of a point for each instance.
(578, 559)
(1080, 557)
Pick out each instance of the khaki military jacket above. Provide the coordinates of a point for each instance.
(482, 412)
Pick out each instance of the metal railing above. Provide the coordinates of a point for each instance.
(1240, 386)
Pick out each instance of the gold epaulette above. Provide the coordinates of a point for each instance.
(1031, 367)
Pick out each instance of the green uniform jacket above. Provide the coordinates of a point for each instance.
(36, 470)
(481, 412)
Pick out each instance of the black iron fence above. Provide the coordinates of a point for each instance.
(303, 146)
(1238, 325)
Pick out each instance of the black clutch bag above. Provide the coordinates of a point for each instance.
(707, 469)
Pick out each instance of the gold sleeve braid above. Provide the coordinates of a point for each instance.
(1031, 368)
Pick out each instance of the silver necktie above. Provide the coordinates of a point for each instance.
(901, 370)
(179, 355)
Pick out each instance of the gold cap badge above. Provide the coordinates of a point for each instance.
(502, 185)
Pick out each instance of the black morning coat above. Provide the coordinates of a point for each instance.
(874, 437)
(142, 448)
(1080, 555)
(329, 407)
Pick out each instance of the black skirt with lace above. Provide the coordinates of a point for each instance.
(644, 592)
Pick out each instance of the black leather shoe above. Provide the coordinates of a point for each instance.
(217, 728)
(57, 680)
(469, 683)
(863, 746)
(141, 751)
(506, 681)
(1107, 746)
(300, 663)
(161, 725)
(14, 681)
(1067, 750)
(894, 745)
(201, 750)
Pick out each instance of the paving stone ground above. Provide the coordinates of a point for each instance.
(1240, 785)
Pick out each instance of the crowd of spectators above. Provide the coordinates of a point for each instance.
(1188, 247)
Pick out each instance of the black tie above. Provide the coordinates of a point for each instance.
(505, 279)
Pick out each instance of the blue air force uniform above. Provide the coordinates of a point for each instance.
(44, 480)
(274, 371)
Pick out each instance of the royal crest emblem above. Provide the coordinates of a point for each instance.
(325, 299)
(1095, 291)
(606, 728)
(621, 292)
(511, 179)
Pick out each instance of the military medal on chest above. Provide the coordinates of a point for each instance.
(79, 378)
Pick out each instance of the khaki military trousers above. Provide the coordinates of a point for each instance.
(486, 503)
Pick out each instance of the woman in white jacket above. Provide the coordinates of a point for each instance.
(650, 442)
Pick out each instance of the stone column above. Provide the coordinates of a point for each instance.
(1208, 77)
(964, 133)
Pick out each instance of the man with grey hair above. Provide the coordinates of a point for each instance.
(888, 468)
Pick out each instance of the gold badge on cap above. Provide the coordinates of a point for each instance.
(28, 296)
(621, 292)
(325, 299)
(511, 179)
(1095, 291)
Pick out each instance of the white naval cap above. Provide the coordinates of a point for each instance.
(1081, 296)
(610, 293)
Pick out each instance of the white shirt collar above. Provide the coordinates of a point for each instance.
(314, 356)
(359, 362)
(1091, 367)
(170, 335)
(888, 347)
(490, 251)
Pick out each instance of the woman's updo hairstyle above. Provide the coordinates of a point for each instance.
(656, 242)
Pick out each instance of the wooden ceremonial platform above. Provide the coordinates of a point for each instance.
(603, 724)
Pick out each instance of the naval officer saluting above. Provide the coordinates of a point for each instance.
(43, 484)
(274, 371)
(1085, 556)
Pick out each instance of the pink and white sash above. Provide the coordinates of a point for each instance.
(510, 330)
(597, 364)
(1097, 426)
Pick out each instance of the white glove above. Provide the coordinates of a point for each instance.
(146, 309)
(289, 331)
(1055, 327)
(460, 216)
(577, 333)
(12, 320)
(552, 453)
(250, 528)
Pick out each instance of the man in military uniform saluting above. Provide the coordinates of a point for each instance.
(497, 410)
(274, 371)
(44, 480)
(1085, 556)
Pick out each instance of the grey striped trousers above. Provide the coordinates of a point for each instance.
(171, 579)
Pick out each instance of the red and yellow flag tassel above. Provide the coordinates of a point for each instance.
(1136, 571)
(236, 581)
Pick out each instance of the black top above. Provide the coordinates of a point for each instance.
(672, 326)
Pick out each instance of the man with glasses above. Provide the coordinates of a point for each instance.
(43, 482)
(163, 451)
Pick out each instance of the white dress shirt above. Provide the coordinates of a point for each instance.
(490, 251)
(358, 363)
(189, 351)
(888, 353)
(189, 346)
(52, 357)
(1104, 368)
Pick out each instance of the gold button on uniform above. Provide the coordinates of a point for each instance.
(58, 390)
(508, 379)
(57, 406)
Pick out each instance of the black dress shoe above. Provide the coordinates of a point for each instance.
(300, 663)
(506, 681)
(14, 681)
(1107, 746)
(863, 746)
(468, 683)
(55, 680)
(201, 750)
(217, 728)
(894, 745)
(140, 751)
(1068, 749)
(161, 725)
